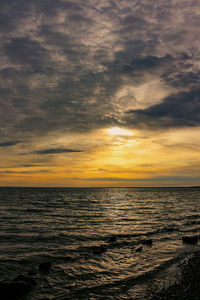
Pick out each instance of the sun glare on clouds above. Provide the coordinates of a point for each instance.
(119, 131)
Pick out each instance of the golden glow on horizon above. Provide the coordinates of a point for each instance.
(110, 157)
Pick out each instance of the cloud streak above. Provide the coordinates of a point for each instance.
(56, 151)
(9, 144)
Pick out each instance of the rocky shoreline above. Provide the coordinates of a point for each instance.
(178, 279)
(187, 285)
(20, 286)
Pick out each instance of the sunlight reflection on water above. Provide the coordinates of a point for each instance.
(72, 229)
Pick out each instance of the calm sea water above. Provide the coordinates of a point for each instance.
(69, 226)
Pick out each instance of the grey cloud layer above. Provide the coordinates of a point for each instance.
(63, 62)
(179, 110)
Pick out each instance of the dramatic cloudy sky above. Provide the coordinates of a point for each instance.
(99, 93)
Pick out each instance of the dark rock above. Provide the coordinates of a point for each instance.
(13, 289)
(45, 267)
(99, 250)
(190, 239)
(139, 249)
(31, 273)
(112, 239)
(29, 280)
(103, 248)
(68, 259)
(71, 286)
(147, 242)
(17, 288)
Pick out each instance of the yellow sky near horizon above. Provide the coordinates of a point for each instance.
(111, 157)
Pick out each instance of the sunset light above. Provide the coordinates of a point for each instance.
(97, 90)
(119, 131)
(99, 149)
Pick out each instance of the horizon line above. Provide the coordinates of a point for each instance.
(81, 187)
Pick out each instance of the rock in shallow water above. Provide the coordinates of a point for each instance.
(138, 249)
(190, 239)
(17, 288)
(99, 250)
(45, 267)
(31, 273)
(147, 242)
(29, 280)
(112, 239)
(13, 290)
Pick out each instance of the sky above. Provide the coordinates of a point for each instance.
(99, 93)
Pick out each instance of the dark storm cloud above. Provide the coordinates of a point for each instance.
(148, 63)
(178, 110)
(63, 62)
(12, 13)
(9, 144)
(184, 78)
(56, 151)
(25, 52)
(131, 23)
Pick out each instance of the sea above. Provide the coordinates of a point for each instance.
(102, 243)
